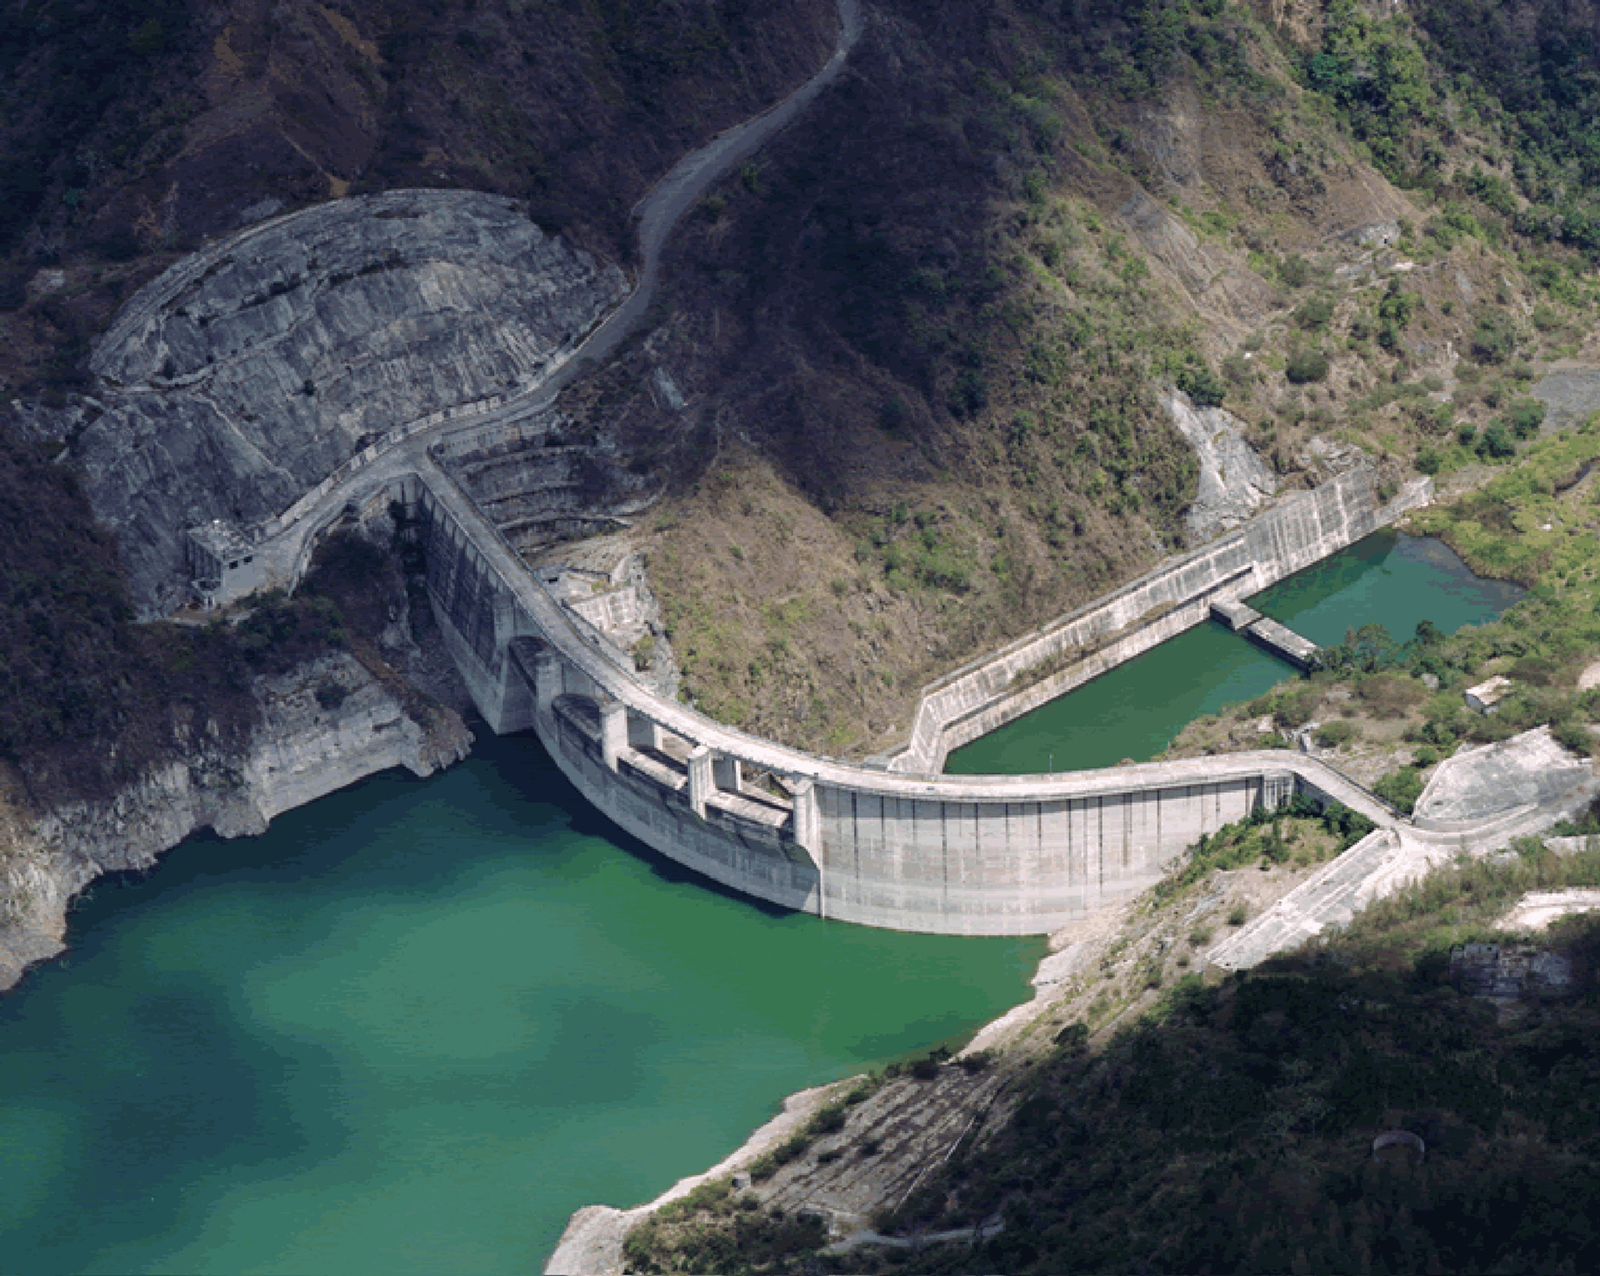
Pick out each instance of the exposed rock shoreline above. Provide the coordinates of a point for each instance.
(322, 727)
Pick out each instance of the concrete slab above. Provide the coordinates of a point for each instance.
(1496, 779)
(1538, 910)
(1235, 615)
(1330, 897)
(1282, 641)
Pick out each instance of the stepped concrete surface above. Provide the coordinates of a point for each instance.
(1497, 793)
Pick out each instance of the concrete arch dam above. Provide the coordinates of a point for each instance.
(980, 855)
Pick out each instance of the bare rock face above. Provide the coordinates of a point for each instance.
(245, 373)
(323, 726)
(1234, 481)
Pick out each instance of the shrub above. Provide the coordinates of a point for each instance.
(1401, 789)
(1294, 271)
(1394, 315)
(1336, 733)
(1494, 340)
(1496, 443)
(1307, 365)
(1315, 314)
(1572, 733)
(1202, 385)
(1525, 418)
(1389, 695)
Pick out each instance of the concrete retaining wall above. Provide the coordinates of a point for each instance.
(1295, 533)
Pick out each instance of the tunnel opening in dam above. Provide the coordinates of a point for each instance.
(1136, 709)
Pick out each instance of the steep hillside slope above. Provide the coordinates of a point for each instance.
(930, 369)
(930, 338)
(130, 132)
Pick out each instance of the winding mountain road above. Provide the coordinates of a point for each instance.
(283, 543)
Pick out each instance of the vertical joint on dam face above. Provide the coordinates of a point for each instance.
(701, 780)
(807, 825)
(505, 620)
(546, 675)
(613, 731)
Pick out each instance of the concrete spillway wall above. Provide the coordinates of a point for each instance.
(986, 855)
(1295, 533)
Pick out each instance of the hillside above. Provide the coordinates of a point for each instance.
(1230, 1127)
(929, 339)
(931, 342)
(132, 132)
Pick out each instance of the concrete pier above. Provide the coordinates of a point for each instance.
(1279, 639)
(1234, 614)
(1282, 641)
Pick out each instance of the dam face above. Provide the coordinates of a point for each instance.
(978, 855)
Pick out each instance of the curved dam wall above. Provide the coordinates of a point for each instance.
(975, 855)
(1295, 533)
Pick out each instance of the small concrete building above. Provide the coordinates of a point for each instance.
(1485, 698)
(221, 563)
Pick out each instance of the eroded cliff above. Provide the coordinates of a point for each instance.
(323, 726)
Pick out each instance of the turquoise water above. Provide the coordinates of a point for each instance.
(1137, 709)
(415, 1025)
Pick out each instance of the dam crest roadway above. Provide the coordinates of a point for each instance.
(895, 845)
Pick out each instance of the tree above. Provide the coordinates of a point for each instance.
(1306, 365)
(1202, 385)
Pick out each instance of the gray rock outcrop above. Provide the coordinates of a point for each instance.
(300, 750)
(244, 374)
(1235, 483)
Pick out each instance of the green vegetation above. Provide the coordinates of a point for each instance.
(1302, 835)
(78, 58)
(1401, 788)
(713, 1230)
(1374, 72)
(1404, 84)
(1231, 1128)
(88, 698)
(917, 553)
(1232, 1131)
(1202, 385)
(1306, 365)
(1538, 98)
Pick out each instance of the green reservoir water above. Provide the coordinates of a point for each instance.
(417, 1024)
(1137, 709)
